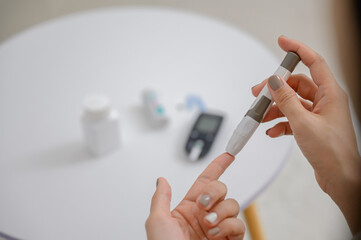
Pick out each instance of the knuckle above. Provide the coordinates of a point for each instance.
(148, 223)
(216, 184)
(240, 237)
(239, 227)
(222, 186)
(243, 227)
(204, 179)
(335, 93)
(285, 97)
(216, 189)
(319, 58)
(313, 57)
(316, 58)
(299, 76)
(234, 203)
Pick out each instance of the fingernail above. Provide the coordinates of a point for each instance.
(275, 82)
(267, 132)
(255, 86)
(212, 217)
(204, 200)
(214, 231)
(156, 184)
(283, 36)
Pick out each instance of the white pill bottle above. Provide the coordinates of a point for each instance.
(100, 123)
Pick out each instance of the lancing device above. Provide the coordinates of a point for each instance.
(259, 108)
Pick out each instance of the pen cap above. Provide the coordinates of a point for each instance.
(290, 61)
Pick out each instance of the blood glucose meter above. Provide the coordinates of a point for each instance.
(202, 135)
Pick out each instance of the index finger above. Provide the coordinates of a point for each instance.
(212, 172)
(320, 72)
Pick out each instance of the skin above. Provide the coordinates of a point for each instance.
(318, 115)
(187, 221)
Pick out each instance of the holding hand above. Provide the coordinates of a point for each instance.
(204, 213)
(320, 120)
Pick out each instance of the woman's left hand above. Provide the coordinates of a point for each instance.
(204, 213)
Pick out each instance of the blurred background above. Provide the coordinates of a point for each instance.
(293, 207)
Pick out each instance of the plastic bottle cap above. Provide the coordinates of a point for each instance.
(97, 106)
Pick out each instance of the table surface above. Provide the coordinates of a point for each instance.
(51, 188)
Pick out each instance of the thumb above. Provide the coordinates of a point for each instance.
(286, 99)
(161, 198)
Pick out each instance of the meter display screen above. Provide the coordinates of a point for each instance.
(208, 124)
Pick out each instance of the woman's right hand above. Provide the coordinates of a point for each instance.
(320, 120)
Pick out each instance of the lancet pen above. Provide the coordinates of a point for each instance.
(259, 108)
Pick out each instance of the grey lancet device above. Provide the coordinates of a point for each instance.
(260, 107)
(262, 103)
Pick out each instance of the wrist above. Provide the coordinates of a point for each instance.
(348, 194)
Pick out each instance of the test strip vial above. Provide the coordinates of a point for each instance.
(154, 110)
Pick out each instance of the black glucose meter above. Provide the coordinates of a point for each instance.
(202, 135)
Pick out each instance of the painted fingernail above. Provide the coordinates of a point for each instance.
(214, 231)
(212, 217)
(204, 200)
(275, 82)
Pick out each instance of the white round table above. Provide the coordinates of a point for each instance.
(51, 188)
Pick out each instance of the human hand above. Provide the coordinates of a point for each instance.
(320, 120)
(202, 214)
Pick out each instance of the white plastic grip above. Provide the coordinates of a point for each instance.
(241, 135)
(248, 125)
(281, 72)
